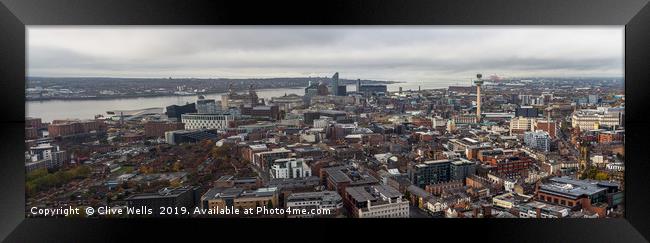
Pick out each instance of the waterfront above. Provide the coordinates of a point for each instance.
(533, 124)
(87, 109)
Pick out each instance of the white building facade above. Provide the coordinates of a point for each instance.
(290, 168)
(329, 203)
(206, 121)
(322, 122)
(521, 125)
(392, 209)
(595, 118)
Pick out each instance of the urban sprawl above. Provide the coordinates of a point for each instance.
(516, 148)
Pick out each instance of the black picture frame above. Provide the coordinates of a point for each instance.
(16, 14)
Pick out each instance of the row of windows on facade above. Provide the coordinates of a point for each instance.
(555, 200)
(209, 118)
(533, 214)
(383, 212)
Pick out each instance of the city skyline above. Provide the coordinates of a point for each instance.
(425, 54)
(308, 144)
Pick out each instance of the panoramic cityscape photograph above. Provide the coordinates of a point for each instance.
(325, 122)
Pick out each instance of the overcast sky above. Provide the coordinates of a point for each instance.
(382, 53)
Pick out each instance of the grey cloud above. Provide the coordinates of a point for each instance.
(365, 51)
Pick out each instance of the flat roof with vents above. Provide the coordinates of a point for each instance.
(372, 193)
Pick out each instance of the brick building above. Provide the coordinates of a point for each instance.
(438, 188)
(510, 165)
(271, 112)
(550, 127)
(158, 128)
(596, 196)
(66, 128)
(610, 136)
(32, 127)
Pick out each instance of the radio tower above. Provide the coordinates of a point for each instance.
(478, 83)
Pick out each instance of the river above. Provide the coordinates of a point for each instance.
(49, 110)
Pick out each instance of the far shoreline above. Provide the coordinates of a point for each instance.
(117, 97)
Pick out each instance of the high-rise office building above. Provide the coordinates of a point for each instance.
(526, 111)
(593, 99)
(539, 140)
(461, 169)
(334, 89)
(430, 172)
(174, 112)
(206, 106)
(342, 91)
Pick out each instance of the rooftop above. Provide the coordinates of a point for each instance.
(307, 149)
(545, 206)
(262, 107)
(257, 147)
(566, 186)
(332, 112)
(415, 190)
(220, 192)
(512, 197)
(373, 193)
(234, 192)
(43, 146)
(169, 176)
(432, 162)
(163, 193)
(276, 150)
(462, 162)
(295, 182)
(310, 196)
(340, 174)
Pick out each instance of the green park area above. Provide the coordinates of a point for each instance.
(42, 180)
